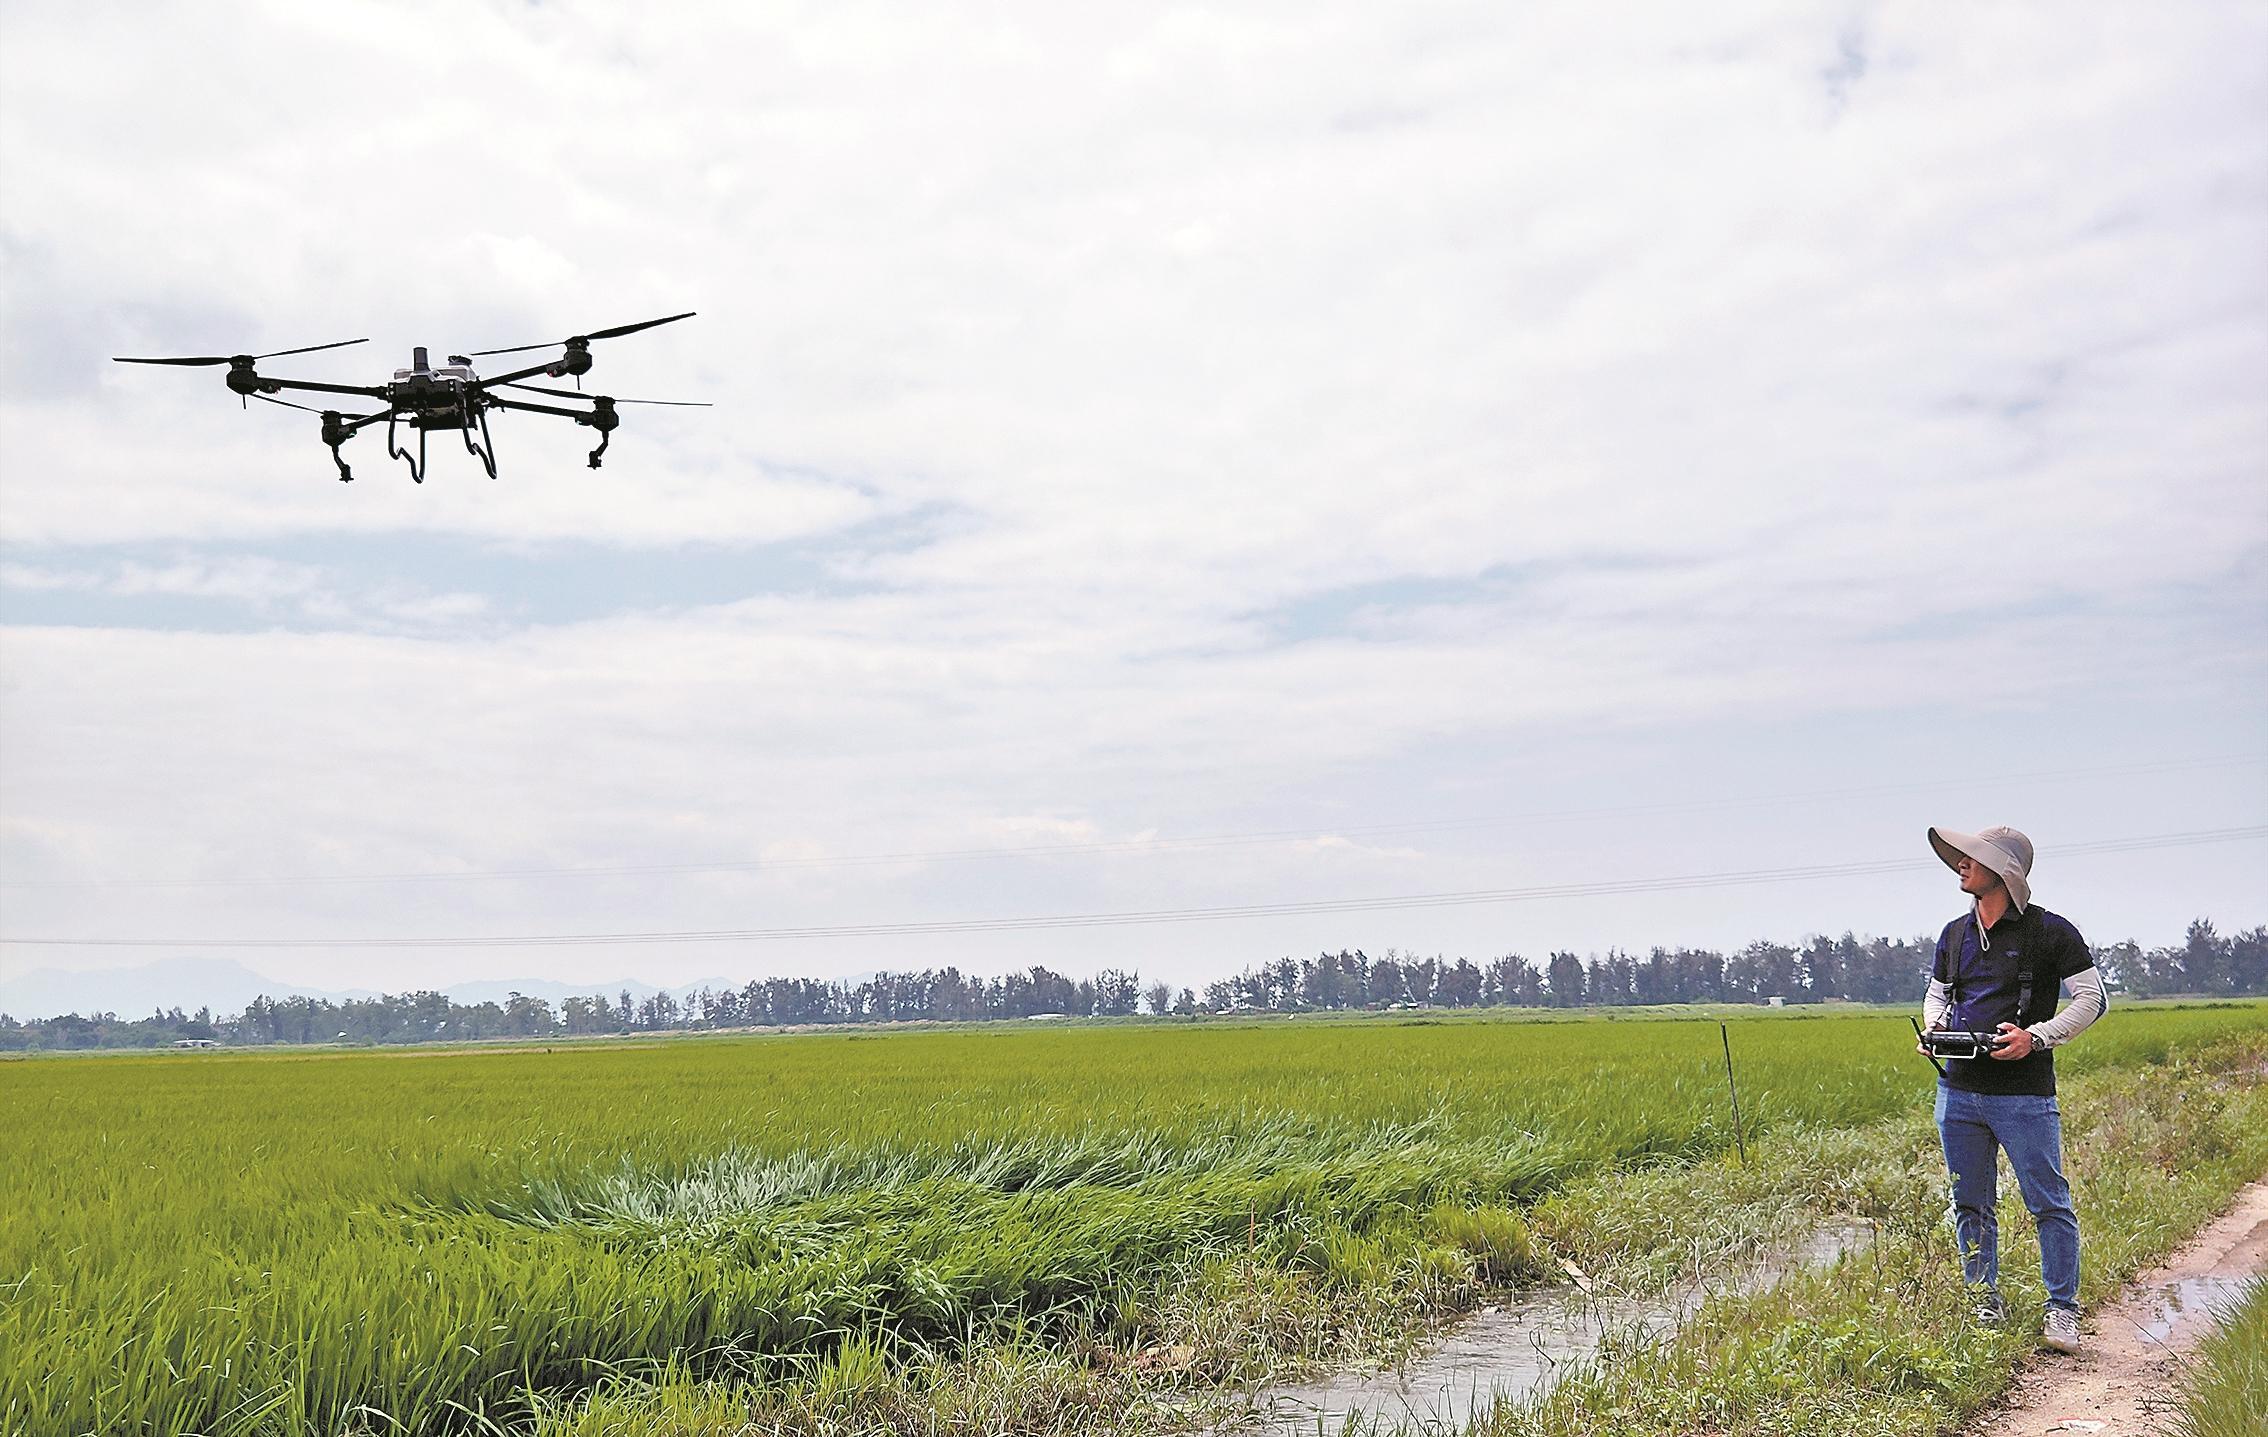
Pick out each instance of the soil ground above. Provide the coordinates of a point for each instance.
(2123, 1384)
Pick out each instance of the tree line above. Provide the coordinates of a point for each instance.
(1849, 968)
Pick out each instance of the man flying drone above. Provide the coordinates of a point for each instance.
(451, 396)
(1991, 1011)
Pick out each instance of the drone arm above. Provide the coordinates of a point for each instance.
(603, 418)
(529, 373)
(580, 416)
(366, 391)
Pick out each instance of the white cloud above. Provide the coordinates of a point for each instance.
(1726, 366)
(270, 589)
(253, 579)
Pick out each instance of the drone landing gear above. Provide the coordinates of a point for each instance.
(471, 413)
(396, 451)
(485, 450)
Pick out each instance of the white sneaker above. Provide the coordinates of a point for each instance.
(1990, 1310)
(2061, 1330)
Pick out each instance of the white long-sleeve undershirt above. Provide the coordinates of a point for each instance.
(1935, 1005)
(2088, 1000)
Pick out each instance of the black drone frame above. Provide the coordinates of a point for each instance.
(425, 399)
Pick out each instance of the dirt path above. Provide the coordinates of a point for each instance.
(2122, 1384)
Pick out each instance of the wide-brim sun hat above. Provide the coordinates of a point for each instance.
(2003, 850)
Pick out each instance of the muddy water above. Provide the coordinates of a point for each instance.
(1510, 1353)
(2191, 1300)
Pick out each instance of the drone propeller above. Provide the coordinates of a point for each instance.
(248, 358)
(615, 333)
(578, 394)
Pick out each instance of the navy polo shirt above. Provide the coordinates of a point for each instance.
(1983, 978)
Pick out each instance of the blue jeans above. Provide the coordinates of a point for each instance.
(1975, 1127)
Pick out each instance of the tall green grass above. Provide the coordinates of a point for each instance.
(262, 1244)
(2225, 1392)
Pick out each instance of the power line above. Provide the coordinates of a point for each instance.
(1600, 888)
(1149, 845)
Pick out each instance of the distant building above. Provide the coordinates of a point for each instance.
(1775, 1002)
(195, 1043)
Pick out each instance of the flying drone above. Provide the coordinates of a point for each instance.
(425, 397)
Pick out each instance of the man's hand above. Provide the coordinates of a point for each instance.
(2015, 1043)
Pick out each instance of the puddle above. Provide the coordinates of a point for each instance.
(2192, 1299)
(1511, 1353)
(1508, 1354)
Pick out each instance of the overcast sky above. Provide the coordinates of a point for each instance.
(1432, 448)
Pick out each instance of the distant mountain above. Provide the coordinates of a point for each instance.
(226, 986)
(221, 984)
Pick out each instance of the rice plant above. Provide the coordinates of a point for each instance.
(421, 1241)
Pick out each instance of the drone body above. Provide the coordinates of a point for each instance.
(426, 397)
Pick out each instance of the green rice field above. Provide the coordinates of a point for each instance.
(691, 1234)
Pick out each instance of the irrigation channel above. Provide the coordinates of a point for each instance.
(1514, 1352)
